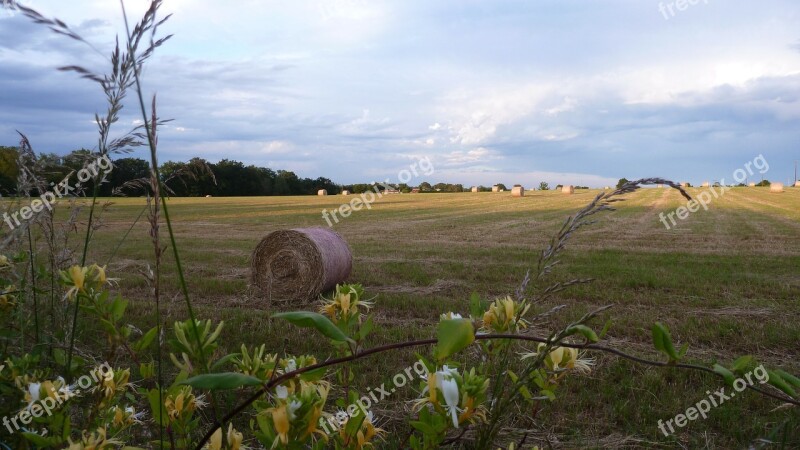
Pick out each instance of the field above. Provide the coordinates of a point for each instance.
(725, 281)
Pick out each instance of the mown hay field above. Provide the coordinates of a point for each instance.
(726, 281)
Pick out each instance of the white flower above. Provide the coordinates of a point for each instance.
(33, 390)
(291, 365)
(200, 401)
(292, 408)
(450, 316)
(449, 389)
(282, 392)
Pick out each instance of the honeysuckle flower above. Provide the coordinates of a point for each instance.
(345, 303)
(563, 358)
(450, 316)
(292, 408)
(505, 315)
(75, 277)
(7, 298)
(32, 396)
(4, 262)
(291, 365)
(94, 441)
(280, 419)
(282, 392)
(449, 389)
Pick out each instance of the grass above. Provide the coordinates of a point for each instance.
(724, 280)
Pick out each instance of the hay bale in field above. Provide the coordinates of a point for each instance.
(518, 191)
(208, 196)
(299, 264)
(474, 188)
(607, 188)
(495, 188)
(322, 192)
(568, 189)
(706, 184)
(776, 187)
(685, 184)
(345, 192)
(797, 184)
(751, 185)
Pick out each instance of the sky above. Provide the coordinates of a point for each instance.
(562, 91)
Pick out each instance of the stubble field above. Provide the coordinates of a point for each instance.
(726, 281)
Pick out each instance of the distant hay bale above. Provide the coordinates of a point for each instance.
(208, 196)
(751, 185)
(474, 188)
(685, 184)
(776, 187)
(607, 188)
(568, 189)
(797, 184)
(322, 192)
(659, 185)
(299, 264)
(518, 191)
(345, 192)
(706, 184)
(495, 188)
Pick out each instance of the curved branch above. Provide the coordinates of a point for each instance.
(481, 337)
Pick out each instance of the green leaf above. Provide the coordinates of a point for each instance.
(453, 336)
(743, 364)
(308, 319)
(726, 374)
(663, 341)
(789, 378)
(224, 360)
(605, 329)
(146, 340)
(476, 306)
(776, 380)
(118, 306)
(585, 331)
(222, 381)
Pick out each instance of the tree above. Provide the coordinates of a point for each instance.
(501, 187)
(763, 183)
(9, 169)
(425, 187)
(543, 186)
(125, 170)
(621, 182)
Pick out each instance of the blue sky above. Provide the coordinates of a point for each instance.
(563, 91)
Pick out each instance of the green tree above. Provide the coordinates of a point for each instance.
(543, 186)
(621, 182)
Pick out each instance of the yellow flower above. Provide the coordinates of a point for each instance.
(280, 418)
(234, 439)
(7, 299)
(94, 441)
(215, 443)
(505, 315)
(4, 262)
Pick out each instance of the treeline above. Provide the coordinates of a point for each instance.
(195, 178)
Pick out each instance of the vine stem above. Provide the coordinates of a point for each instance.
(481, 337)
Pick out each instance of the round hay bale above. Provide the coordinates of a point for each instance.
(474, 188)
(345, 192)
(518, 191)
(569, 189)
(797, 184)
(706, 184)
(776, 187)
(208, 196)
(685, 184)
(495, 188)
(322, 192)
(751, 185)
(299, 264)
